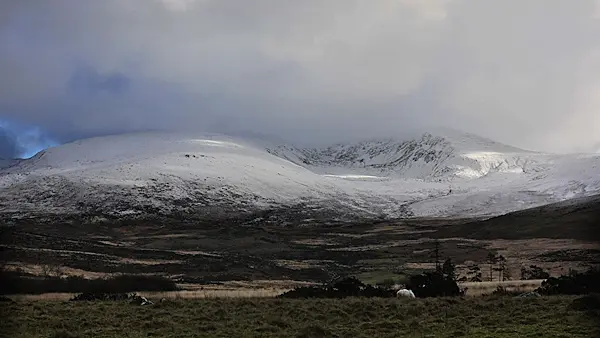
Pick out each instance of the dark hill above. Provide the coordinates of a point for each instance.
(573, 219)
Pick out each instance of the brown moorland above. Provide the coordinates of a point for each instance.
(350, 317)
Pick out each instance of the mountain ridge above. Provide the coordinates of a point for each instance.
(424, 157)
(215, 174)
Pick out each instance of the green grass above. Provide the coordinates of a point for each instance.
(471, 317)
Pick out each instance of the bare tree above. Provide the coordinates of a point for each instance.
(491, 260)
(436, 252)
(51, 270)
(45, 270)
(501, 268)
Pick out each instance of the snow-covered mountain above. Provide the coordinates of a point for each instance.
(443, 174)
(446, 156)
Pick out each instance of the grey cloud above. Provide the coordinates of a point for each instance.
(87, 80)
(525, 73)
(9, 148)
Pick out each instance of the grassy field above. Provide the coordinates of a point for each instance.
(263, 289)
(173, 295)
(470, 317)
(486, 288)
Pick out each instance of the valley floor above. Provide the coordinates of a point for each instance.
(192, 252)
(351, 317)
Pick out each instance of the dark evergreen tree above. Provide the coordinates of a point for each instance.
(449, 270)
(438, 283)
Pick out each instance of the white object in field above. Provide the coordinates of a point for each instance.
(405, 293)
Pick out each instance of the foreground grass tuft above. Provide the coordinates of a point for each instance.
(350, 317)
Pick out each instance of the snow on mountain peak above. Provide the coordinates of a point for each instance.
(446, 173)
(445, 155)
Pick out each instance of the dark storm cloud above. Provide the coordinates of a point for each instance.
(9, 148)
(525, 73)
(21, 141)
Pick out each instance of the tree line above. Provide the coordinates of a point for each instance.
(497, 266)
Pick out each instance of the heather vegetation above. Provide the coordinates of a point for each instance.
(559, 316)
(360, 266)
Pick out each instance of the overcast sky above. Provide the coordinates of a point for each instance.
(525, 73)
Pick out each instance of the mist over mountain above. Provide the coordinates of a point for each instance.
(313, 72)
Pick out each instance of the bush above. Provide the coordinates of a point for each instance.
(347, 287)
(534, 272)
(13, 283)
(307, 292)
(433, 284)
(428, 284)
(102, 296)
(502, 291)
(572, 284)
(6, 300)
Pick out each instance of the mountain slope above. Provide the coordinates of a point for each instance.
(447, 174)
(159, 171)
(445, 156)
(5, 163)
(574, 219)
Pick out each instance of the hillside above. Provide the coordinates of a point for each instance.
(556, 238)
(577, 219)
(5, 163)
(216, 176)
(446, 155)
(156, 172)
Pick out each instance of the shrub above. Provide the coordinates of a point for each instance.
(502, 291)
(534, 272)
(347, 287)
(433, 284)
(102, 296)
(572, 284)
(13, 283)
